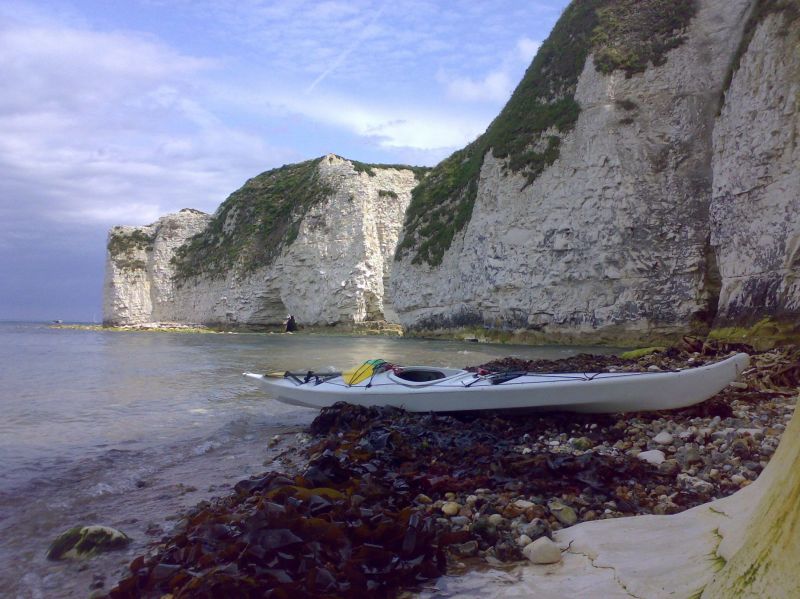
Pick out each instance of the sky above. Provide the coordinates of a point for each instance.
(116, 112)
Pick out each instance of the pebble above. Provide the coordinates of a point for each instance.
(468, 549)
(654, 456)
(689, 454)
(694, 484)
(663, 438)
(451, 508)
(536, 528)
(563, 513)
(523, 504)
(524, 540)
(669, 467)
(582, 443)
(740, 448)
(495, 519)
(738, 479)
(542, 551)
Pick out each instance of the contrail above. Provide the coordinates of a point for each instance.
(343, 56)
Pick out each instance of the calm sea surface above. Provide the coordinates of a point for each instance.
(128, 429)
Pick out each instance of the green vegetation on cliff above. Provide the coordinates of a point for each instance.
(252, 226)
(256, 222)
(632, 34)
(121, 247)
(625, 34)
(369, 168)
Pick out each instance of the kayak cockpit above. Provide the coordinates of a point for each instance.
(422, 375)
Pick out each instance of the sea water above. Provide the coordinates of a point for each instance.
(130, 429)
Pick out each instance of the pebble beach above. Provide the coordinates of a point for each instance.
(377, 502)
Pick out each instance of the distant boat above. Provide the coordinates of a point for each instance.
(430, 389)
(58, 322)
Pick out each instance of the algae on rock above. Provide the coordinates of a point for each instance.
(86, 541)
(763, 551)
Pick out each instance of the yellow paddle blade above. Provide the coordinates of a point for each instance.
(276, 375)
(362, 372)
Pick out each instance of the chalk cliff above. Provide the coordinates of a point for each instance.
(643, 211)
(315, 239)
(755, 205)
(642, 183)
(138, 278)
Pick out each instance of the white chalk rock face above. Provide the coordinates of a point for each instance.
(612, 239)
(755, 210)
(138, 284)
(334, 270)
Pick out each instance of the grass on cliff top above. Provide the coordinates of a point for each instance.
(625, 34)
(252, 226)
(121, 247)
(369, 168)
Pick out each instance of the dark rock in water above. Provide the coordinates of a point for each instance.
(98, 581)
(86, 541)
(485, 530)
(468, 549)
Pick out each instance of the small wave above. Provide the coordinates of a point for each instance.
(101, 489)
(205, 447)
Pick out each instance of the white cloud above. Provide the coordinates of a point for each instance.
(92, 119)
(496, 86)
(387, 124)
(527, 49)
(101, 127)
(128, 213)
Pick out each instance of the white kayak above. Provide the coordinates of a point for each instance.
(430, 389)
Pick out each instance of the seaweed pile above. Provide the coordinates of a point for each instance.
(389, 499)
(690, 352)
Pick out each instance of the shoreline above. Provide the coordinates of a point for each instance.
(762, 335)
(145, 508)
(527, 478)
(378, 328)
